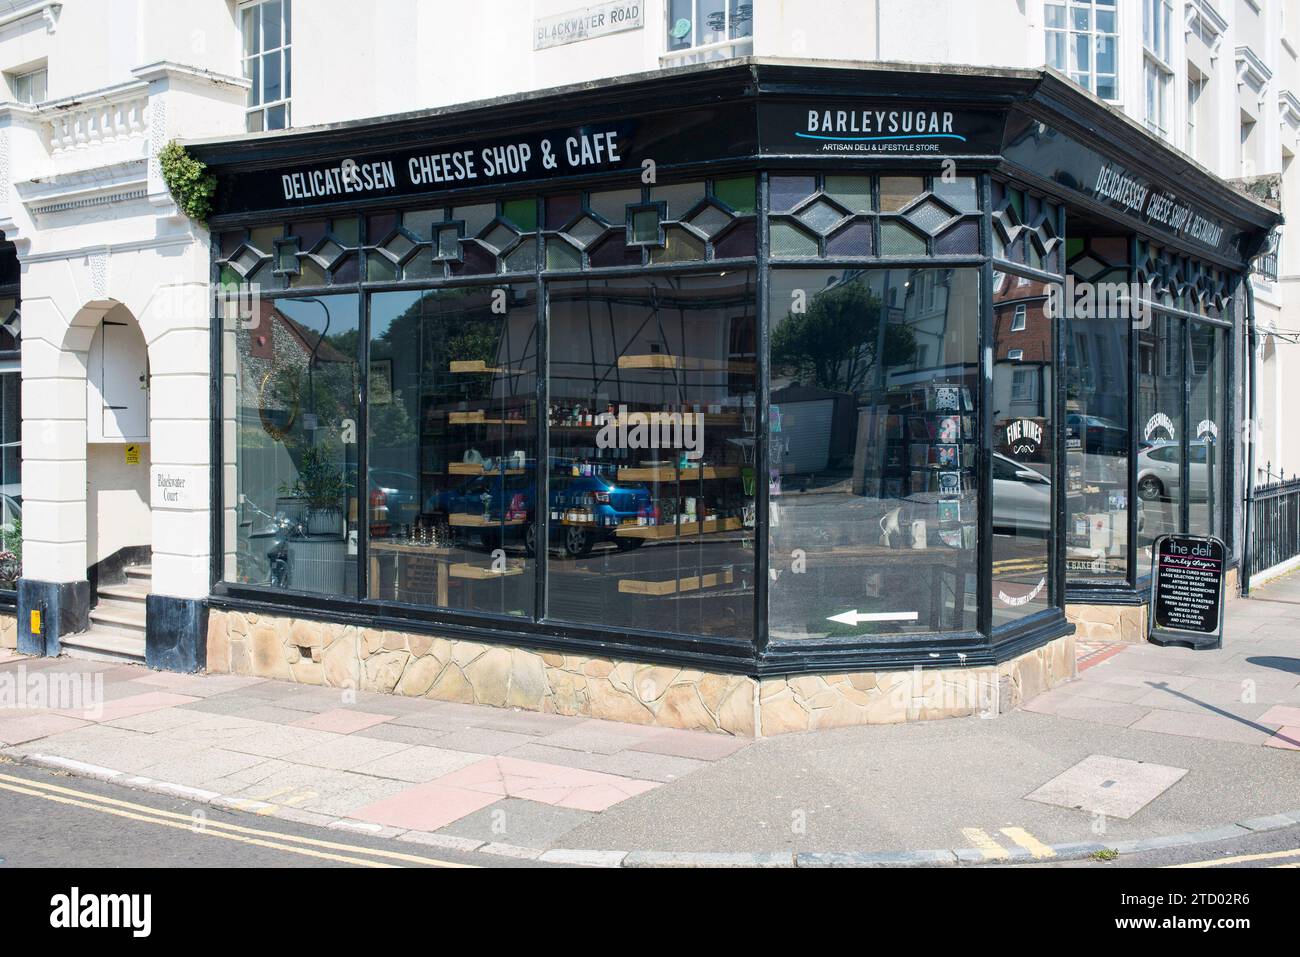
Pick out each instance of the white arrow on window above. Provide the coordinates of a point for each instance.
(854, 618)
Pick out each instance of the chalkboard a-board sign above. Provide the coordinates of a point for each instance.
(1187, 591)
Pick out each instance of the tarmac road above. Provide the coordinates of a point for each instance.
(55, 819)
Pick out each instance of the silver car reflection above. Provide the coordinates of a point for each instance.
(1159, 466)
(1022, 496)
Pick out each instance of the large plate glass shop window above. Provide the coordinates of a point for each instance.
(451, 498)
(1161, 431)
(11, 424)
(1023, 475)
(874, 512)
(1097, 418)
(1206, 490)
(295, 418)
(652, 425)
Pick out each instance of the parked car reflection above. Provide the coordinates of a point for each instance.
(1096, 435)
(603, 505)
(1159, 468)
(1022, 496)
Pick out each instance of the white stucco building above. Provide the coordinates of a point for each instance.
(115, 333)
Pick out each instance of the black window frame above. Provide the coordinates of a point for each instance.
(760, 654)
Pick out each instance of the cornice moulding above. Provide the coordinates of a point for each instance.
(169, 70)
(1250, 68)
(20, 11)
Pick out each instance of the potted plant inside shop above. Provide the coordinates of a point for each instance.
(11, 552)
(321, 487)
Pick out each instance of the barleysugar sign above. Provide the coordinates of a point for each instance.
(595, 21)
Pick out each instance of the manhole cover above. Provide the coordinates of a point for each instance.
(1116, 787)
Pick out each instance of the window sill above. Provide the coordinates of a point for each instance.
(721, 50)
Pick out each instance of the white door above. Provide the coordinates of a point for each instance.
(118, 397)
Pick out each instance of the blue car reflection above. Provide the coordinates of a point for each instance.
(585, 510)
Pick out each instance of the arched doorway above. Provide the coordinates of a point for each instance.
(118, 520)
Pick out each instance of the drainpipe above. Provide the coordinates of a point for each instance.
(1251, 347)
(878, 47)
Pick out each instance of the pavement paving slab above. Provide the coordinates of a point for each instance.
(643, 765)
(418, 764)
(518, 822)
(342, 720)
(343, 753)
(425, 807)
(1212, 726)
(484, 740)
(405, 734)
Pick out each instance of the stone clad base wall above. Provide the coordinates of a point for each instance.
(393, 662)
(1108, 622)
(8, 631)
(812, 702)
(344, 656)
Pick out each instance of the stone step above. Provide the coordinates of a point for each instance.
(133, 591)
(101, 644)
(138, 571)
(119, 614)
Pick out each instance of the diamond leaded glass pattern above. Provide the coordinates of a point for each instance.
(500, 237)
(929, 215)
(399, 246)
(820, 216)
(852, 216)
(710, 220)
(586, 231)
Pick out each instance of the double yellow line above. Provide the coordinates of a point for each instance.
(333, 851)
(993, 851)
(1258, 859)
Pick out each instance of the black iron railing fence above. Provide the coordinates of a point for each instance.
(1266, 262)
(1275, 527)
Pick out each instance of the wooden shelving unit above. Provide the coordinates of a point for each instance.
(479, 417)
(706, 473)
(476, 468)
(686, 364)
(709, 526)
(479, 367)
(675, 586)
(485, 573)
(466, 520)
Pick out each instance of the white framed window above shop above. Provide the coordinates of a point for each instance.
(1015, 355)
(1248, 140)
(1083, 42)
(1157, 74)
(700, 30)
(1156, 31)
(265, 35)
(1019, 317)
(30, 86)
(1157, 79)
(1195, 87)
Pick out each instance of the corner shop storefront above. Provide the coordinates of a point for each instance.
(771, 374)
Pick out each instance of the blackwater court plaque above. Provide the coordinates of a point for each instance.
(1187, 591)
